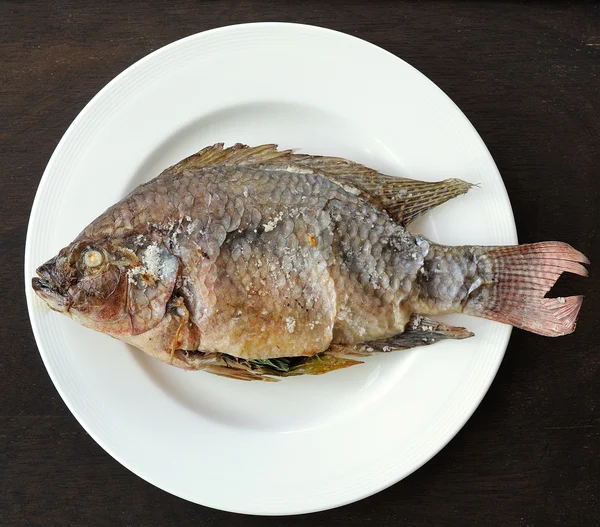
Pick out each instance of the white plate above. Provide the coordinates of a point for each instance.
(304, 444)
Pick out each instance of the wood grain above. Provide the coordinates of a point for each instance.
(526, 75)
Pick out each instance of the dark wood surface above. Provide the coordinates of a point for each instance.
(526, 75)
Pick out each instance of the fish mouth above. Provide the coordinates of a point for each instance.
(46, 288)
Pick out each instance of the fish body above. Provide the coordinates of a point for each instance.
(249, 262)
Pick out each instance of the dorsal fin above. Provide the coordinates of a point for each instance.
(237, 154)
(404, 199)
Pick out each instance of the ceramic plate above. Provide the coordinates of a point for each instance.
(303, 444)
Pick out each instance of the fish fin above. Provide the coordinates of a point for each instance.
(263, 369)
(404, 199)
(519, 278)
(315, 365)
(408, 199)
(420, 331)
(237, 154)
(222, 365)
(320, 364)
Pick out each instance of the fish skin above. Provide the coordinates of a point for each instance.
(257, 255)
(253, 253)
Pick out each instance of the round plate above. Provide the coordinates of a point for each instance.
(307, 443)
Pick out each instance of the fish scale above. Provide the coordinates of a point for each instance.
(290, 256)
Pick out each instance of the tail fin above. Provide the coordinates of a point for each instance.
(519, 277)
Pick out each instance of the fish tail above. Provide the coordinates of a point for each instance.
(506, 284)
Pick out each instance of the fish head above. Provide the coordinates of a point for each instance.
(104, 285)
(84, 278)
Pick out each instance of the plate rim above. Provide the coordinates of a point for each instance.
(447, 437)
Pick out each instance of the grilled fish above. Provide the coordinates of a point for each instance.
(255, 263)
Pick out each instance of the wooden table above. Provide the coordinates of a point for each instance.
(527, 76)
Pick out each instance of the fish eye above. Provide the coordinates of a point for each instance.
(93, 258)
